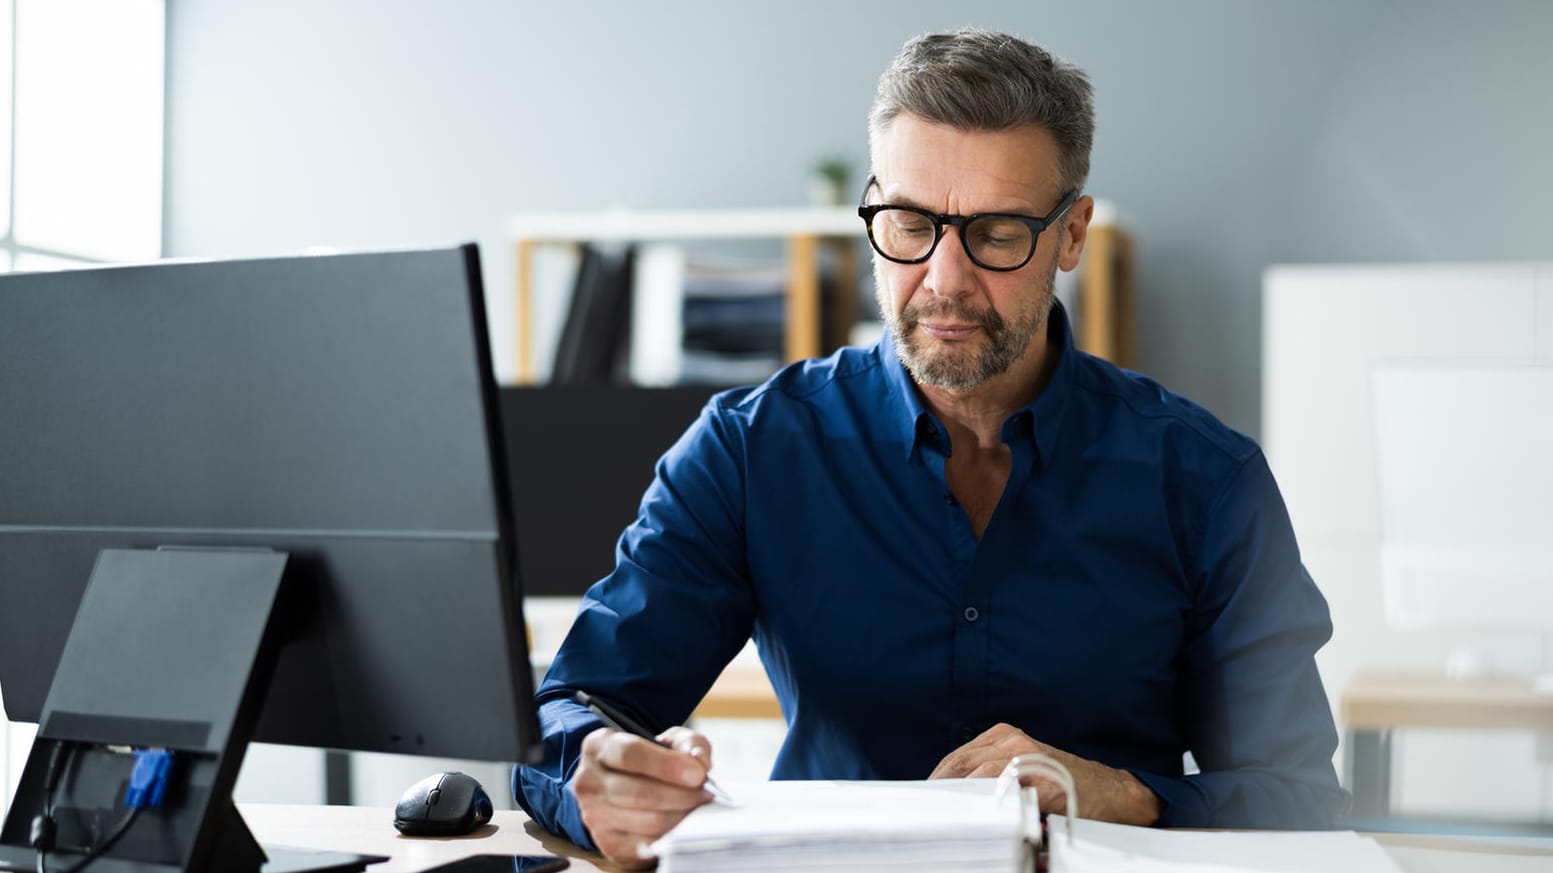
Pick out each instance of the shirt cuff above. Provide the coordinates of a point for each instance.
(551, 804)
(1183, 803)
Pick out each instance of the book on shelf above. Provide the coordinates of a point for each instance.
(595, 338)
(657, 323)
(706, 320)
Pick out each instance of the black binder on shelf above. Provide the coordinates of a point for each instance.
(594, 347)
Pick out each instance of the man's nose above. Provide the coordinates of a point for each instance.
(950, 268)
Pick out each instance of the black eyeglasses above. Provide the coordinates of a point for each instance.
(1000, 241)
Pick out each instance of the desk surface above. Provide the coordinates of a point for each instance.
(1382, 700)
(370, 830)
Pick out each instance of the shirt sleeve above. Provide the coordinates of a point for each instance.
(1256, 715)
(653, 635)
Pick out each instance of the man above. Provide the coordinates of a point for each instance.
(970, 542)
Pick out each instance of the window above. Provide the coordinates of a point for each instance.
(81, 100)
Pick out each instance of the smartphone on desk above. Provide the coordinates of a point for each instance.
(504, 864)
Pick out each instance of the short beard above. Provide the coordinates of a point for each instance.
(1005, 341)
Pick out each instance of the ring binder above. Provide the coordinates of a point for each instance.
(1032, 830)
(968, 825)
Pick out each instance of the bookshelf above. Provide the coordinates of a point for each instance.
(1105, 285)
(806, 232)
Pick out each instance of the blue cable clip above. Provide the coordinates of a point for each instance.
(148, 781)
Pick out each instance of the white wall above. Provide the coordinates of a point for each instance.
(15, 743)
(1232, 135)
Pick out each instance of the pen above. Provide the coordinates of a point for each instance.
(621, 722)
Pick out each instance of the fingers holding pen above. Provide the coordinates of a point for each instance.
(631, 790)
(685, 740)
(638, 766)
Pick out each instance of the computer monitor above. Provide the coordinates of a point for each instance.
(328, 420)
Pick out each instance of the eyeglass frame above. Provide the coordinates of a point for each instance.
(867, 211)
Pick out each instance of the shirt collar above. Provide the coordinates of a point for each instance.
(1040, 420)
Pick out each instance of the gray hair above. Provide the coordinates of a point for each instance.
(974, 79)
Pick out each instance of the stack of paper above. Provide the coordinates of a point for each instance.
(957, 825)
(850, 826)
(1099, 847)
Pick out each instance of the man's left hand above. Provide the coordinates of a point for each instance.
(1104, 793)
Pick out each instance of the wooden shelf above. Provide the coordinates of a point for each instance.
(805, 230)
(742, 691)
(1106, 317)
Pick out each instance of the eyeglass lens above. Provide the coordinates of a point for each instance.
(996, 242)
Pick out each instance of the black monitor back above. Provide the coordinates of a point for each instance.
(339, 408)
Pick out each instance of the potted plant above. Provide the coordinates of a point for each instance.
(828, 181)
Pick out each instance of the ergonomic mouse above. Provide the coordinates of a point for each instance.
(444, 805)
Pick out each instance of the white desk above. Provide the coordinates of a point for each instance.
(1376, 704)
(370, 830)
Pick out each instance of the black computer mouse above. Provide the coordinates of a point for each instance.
(445, 805)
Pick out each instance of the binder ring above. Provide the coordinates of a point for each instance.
(1037, 764)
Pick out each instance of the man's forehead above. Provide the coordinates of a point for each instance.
(922, 163)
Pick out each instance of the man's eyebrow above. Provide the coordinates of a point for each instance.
(898, 201)
(907, 201)
(916, 204)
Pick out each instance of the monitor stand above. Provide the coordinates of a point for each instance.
(172, 648)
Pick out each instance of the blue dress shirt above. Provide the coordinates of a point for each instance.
(1137, 593)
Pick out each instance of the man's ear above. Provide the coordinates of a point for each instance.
(1075, 231)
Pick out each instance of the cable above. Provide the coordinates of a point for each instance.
(105, 845)
(44, 828)
(147, 785)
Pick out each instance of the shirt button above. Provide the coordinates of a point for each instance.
(971, 614)
(948, 499)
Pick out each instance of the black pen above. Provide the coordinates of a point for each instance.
(621, 722)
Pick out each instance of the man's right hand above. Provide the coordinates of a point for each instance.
(631, 791)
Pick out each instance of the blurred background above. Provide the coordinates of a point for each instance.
(1236, 141)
